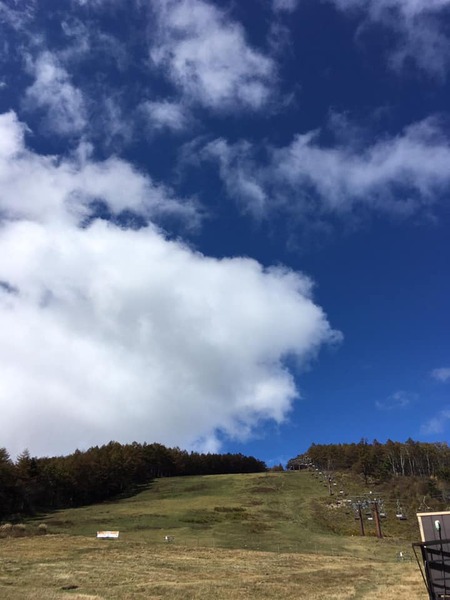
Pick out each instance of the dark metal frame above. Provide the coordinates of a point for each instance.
(435, 567)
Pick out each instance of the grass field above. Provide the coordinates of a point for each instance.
(251, 536)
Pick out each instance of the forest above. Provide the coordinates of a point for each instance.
(380, 461)
(30, 485)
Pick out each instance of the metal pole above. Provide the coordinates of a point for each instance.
(361, 522)
(376, 515)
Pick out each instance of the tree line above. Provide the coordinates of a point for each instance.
(30, 485)
(380, 461)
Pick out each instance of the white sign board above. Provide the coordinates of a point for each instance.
(108, 535)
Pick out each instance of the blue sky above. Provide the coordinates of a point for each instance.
(224, 225)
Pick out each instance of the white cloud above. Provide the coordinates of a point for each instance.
(112, 333)
(48, 189)
(420, 35)
(442, 374)
(401, 175)
(415, 160)
(18, 18)
(165, 115)
(207, 57)
(285, 5)
(243, 178)
(116, 126)
(408, 8)
(436, 425)
(85, 40)
(397, 400)
(53, 92)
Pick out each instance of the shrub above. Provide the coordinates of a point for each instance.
(19, 530)
(5, 530)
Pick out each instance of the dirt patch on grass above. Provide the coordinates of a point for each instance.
(263, 489)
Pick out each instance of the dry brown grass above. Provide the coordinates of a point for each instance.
(74, 568)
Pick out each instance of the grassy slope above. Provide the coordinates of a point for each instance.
(270, 511)
(280, 519)
(336, 513)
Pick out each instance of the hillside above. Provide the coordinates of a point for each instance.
(269, 530)
(292, 511)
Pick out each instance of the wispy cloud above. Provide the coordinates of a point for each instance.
(192, 47)
(437, 424)
(19, 17)
(53, 92)
(441, 374)
(408, 8)
(420, 34)
(396, 401)
(288, 6)
(401, 175)
(165, 115)
(206, 56)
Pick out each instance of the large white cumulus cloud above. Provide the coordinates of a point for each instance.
(112, 333)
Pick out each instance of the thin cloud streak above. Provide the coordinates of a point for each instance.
(399, 400)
